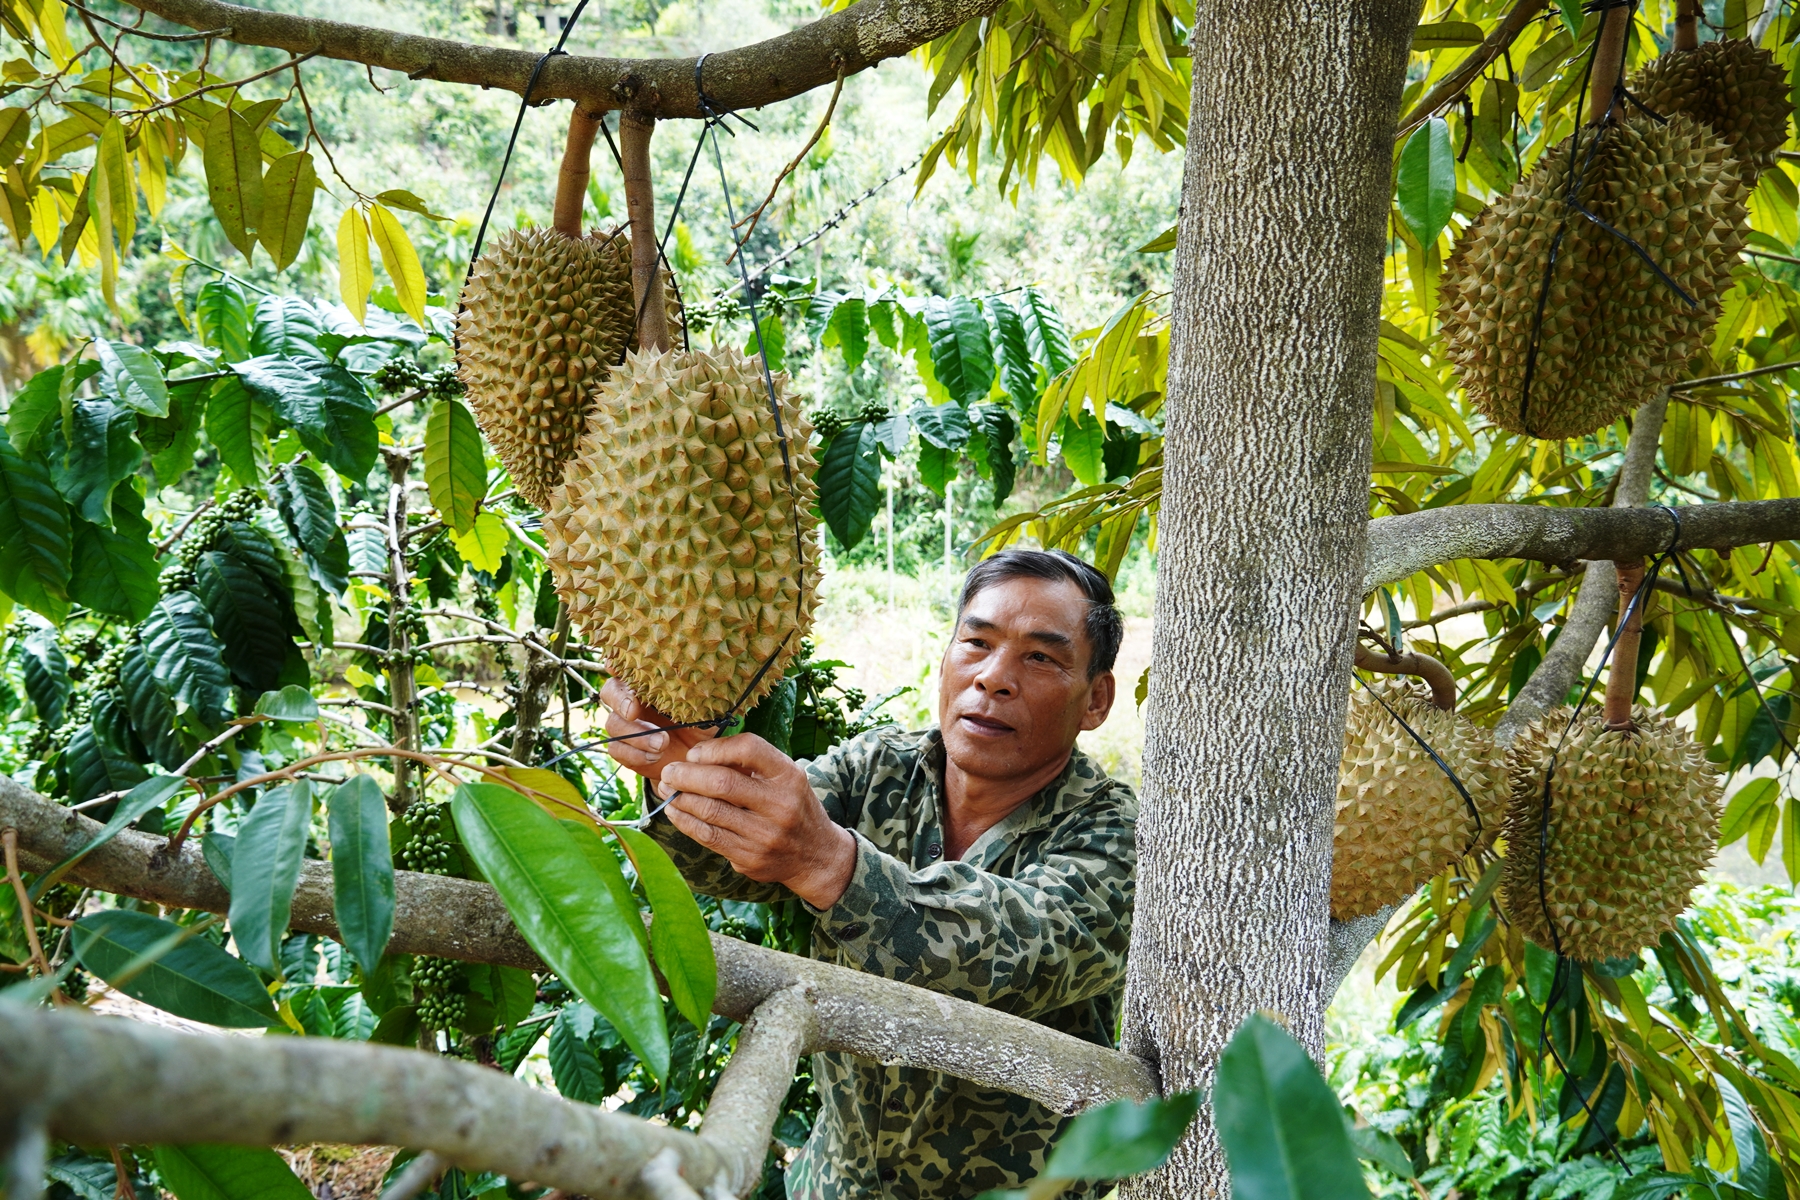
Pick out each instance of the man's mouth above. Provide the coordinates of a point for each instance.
(988, 726)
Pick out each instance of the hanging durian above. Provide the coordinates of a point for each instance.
(1400, 820)
(673, 538)
(1741, 92)
(1632, 820)
(1608, 330)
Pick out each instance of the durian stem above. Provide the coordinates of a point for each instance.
(640, 204)
(1435, 674)
(1687, 25)
(1609, 64)
(572, 179)
(1621, 679)
(402, 688)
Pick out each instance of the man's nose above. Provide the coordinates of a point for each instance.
(994, 678)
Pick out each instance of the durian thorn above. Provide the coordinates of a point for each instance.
(572, 178)
(635, 129)
(1621, 678)
(1436, 675)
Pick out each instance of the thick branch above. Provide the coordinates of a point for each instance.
(1470, 69)
(859, 1014)
(635, 130)
(778, 69)
(747, 1100)
(101, 1082)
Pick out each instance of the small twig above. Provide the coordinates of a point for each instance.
(313, 135)
(122, 1189)
(417, 1176)
(213, 87)
(27, 911)
(371, 70)
(164, 546)
(402, 402)
(359, 702)
(750, 219)
(1771, 369)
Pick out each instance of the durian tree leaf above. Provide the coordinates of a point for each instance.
(287, 325)
(1790, 840)
(237, 425)
(311, 517)
(455, 466)
(130, 375)
(356, 274)
(401, 262)
(222, 317)
(287, 206)
(678, 935)
(600, 856)
(94, 769)
(101, 450)
(207, 1172)
(46, 671)
(234, 181)
(245, 617)
(1122, 1138)
(962, 357)
(185, 657)
(566, 912)
(849, 482)
(362, 867)
(1279, 1121)
(1745, 806)
(150, 708)
(326, 405)
(113, 572)
(265, 869)
(185, 974)
(1425, 182)
(34, 535)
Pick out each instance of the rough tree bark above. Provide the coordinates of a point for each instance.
(1264, 517)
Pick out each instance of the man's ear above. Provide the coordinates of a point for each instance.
(1101, 694)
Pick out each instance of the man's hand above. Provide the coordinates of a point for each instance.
(743, 799)
(646, 755)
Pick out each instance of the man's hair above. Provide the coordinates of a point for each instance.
(1105, 628)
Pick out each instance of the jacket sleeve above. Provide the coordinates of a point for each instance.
(1054, 934)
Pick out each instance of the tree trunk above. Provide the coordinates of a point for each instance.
(1265, 507)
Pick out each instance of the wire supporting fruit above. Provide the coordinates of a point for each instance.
(1400, 820)
(1606, 330)
(1741, 92)
(545, 316)
(1632, 824)
(680, 542)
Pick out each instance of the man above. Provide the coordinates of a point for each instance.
(986, 858)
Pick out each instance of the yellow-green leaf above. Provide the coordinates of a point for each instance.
(552, 793)
(234, 180)
(287, 206)
(484, 546)
(1790, 840)
(356, 276)
(56, 33)
(401, 261)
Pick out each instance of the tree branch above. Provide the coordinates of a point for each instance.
(865, 1015)
(746, 1102)
(858, 37)
(1470, 69)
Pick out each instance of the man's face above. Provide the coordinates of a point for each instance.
(1015, 689)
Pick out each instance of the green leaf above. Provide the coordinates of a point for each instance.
(222, 318)
(678, 935)
(288, 325)
(1755, 1171)
(34, 535)
(94, 770)
(185, 658)
(893, 434)
(171, 441)
(1045, 332)
(401, 198)
(849, 482)
(961, 355)
(237, 425)
(936, 467)
(215, 849)
(362, 868)
(1122, 1138)
(114, 572)
(769, 338)
(997, 430)
(565, 911)
(848, 329)
(291, 703)
(484, 546)
(945, 426)
(101, 452)
(265, 869)
(152, 793)
(202, 1172)
(311, 517)
(189, 976)
(1443, 35)
(150, 708)
(39, 402)
(130, 375)
(1372, 1145)
(455, 469)
(574, 1067)
(1018, 373)
(46, 670)
(234, 180)
(600, 856)
(1083, 442)
(325, 404)
(287, 206)
(1425, 183)
(1162, 243)
(245, 617)
(1745, 806)
(1279, 1121)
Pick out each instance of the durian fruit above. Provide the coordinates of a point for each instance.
(1613, 332)
(1730, 85)
(544, 317)
(672, 537)
(1634, 821)
(1400, 820)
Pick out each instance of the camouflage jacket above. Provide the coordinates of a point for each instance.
(1034, 920)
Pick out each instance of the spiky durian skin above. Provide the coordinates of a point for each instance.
(672, 538)
(1400, 820)
(1730, 85)
(1634, 821)
(1612, 331)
